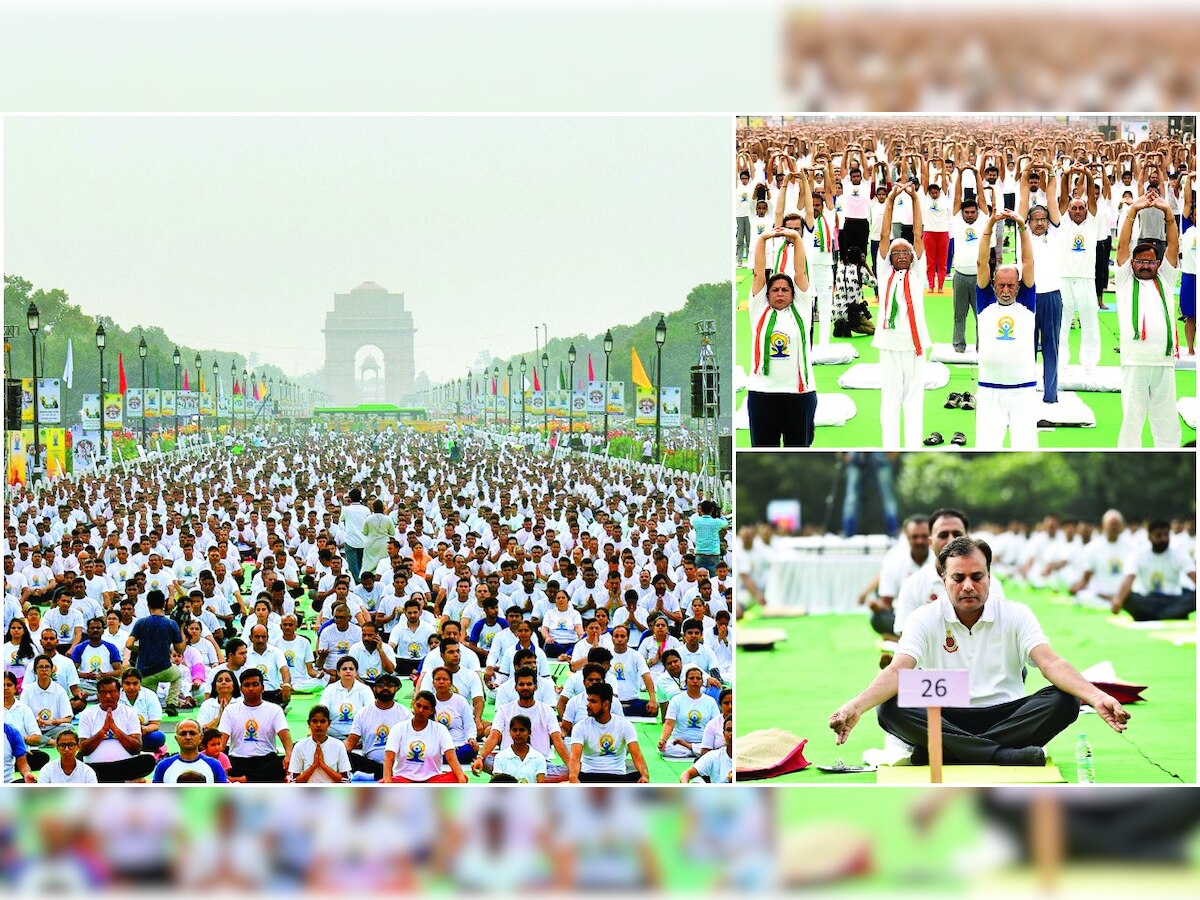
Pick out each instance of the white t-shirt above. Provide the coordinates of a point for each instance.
(305, 751)
(691, 715)
(819, 240)
(457, 716)
(743, 198)
(629, 669)
(716, 766)
(935, 214)
(1187, 251)
(52, 773)
(525, 771)
(856, 198)
(1047, 258)
(1158, 573)
(543, 722)
(605, 746)
(877, 211)
(896, 567)
(344, 705)
(373, 725)
(782, 349)
(1078, 247)
(1106, 561)
(1006, 346)
(995, 651)
(561, 624)
(966, 244)
(1159, 346)
(110, 749)
(420, 754)
(893, 331)
(252, 729)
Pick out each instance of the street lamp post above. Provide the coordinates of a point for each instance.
(470, 390)
(545, 392)
(245, 398)
(34, 320)
(608, 348)
(495, 404)
(510, 396)
(142, 351)
(177, 359)
(100, 341)
(199, 394)
(522, 395)
(232, 382)
(660, 338)
(216, 399)
(570, 394)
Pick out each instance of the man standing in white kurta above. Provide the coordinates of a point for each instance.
(901, 336)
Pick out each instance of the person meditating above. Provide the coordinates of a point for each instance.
(994, 641)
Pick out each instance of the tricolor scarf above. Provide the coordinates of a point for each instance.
(888, 318)
(762, 338)
(1139, 334)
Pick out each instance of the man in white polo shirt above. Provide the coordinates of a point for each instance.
(1103, 563)
(994, 642)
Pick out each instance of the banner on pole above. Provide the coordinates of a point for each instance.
(206, 404)
(167, 405)
(579, 403)
(17, 471)
(537, 402)
(54, 451)
(85, 449)
(89, 412)
(223, 406)
(134, 404)
(596, 396)
(645, 406)
(112, 412)
(49, 401)
(239, 403)
(616, 398)
(26, 401)
(672, 405)
(153, 404)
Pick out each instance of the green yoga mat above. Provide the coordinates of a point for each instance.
(919, 775)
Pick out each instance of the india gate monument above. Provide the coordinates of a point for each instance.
(368, 316)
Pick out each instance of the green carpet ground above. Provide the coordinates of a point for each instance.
(828, 659)
(864, 429)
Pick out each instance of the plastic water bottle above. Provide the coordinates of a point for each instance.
(1085, 769)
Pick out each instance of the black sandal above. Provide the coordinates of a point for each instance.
(959, 439)
(934, 440)
(968, 401)
(953, 401)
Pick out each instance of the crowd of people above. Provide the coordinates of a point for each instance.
(426, 617)
(1016, 224)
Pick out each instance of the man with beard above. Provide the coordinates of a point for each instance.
(1001, 726)
(368, 736)
(1146, 313)
(546, 732)
(1155, 571)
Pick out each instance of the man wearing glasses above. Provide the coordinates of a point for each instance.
(189, 764)
(1146, 311)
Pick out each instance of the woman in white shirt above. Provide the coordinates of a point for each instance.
(345, 697)
(782, 394)
(562, 626)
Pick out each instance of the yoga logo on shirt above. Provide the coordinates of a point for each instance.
(290, 658)
(346, 712)
(262, 667)
(43, 715)
(1156, 583)
(693, 718)
(416, 752)
(95, 666)
(951, 645)
(251, 730)
(414, 650)
(608, 745)
(442, 718)
(64, 631)
(1077, 244)
(779, 345)
(1114, 566)
(372, 673)
(619, 671)
(381, 735)
(1005, 328)
(343, 647)
(970, 235)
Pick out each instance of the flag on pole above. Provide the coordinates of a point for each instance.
(262, 390)
(121, 384)
(202, 382)
(255, 394)
(591, 371)
(562, 377)
(640, 378)
(185, 380)
(536, 385)
(69, 368)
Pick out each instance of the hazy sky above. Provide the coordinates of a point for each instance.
(235, 233)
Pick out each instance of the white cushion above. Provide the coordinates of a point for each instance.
(1187, 410)
(832, 354)
(1070, 410)
(1102, 379)
(869, 376)
(835, 409)
(945, 353)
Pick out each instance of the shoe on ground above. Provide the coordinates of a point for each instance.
(968, 401)
(934, 440)
(959, 439)
(953, 401)
(172, 710)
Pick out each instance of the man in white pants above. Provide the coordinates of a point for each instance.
(1146, 314)
(901, 336)
(1006, 313)
(1083, 231)
(820, 235)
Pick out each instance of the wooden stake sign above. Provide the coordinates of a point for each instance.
(934, 689)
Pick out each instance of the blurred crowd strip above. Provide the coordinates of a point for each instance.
(871, 58)
(905, 842)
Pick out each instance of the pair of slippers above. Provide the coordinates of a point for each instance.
(935, 439)
(965, 400)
